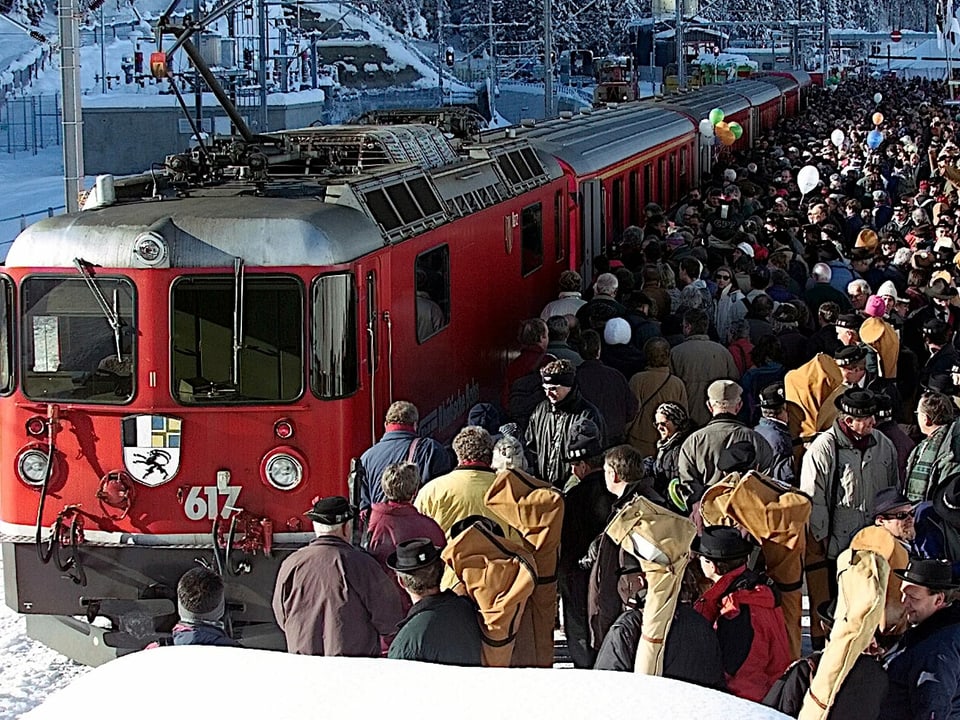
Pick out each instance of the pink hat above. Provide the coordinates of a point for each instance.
(876, 307)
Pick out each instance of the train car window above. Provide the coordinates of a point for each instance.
(403, 202)
(617, 208)
(432, 276)
(211, 365)
(531, 238)
(335, 365)
(647, 183)
(672, 173)
(633, 200)
(533, 162)
(558, 226)
(683, 186)
(520, 164)
(73, 348)
(6, 335)
(506, 165)
(382, 210)
(424, 195)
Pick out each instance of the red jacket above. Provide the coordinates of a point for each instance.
(390, 524)
(750, 626)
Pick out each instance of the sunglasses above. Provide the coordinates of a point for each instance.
(723, 277)
(898, 516)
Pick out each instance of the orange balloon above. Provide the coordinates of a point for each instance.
(721, 126)
(726, 135)
(877, 118)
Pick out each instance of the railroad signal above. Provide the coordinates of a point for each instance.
(896, 35)
(448, 56)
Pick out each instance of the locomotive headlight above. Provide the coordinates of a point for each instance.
(150, 248)
(283, 471)
(32, 467)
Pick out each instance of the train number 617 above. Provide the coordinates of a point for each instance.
(203, 502)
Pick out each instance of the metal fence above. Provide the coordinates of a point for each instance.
(30, 123)
(12, 226)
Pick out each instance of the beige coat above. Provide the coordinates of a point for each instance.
(652, 387)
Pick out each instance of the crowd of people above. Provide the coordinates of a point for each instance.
(754, 398)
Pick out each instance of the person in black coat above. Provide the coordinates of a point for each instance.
(606, 388)
(587, 505)
(691, 649)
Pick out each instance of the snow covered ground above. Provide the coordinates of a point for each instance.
(29, 672)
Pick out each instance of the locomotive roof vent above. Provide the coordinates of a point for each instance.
(356, 150)
(528, 122)
(566, 114)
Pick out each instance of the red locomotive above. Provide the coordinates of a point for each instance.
(185, 367)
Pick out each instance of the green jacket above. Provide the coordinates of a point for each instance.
(441, 629)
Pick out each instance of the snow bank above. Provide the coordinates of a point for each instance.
(209, 682)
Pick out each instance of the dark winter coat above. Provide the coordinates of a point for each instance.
(608, 389)
(778, 437)
(430, 457)
(333, 599)
(859, 698)
(440, 629)
(924, 672)
(691, 649)
(547, 434)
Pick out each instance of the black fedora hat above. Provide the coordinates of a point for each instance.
(850, 355)
(413, 554)
(850, 321)
(331, 510)
(773, 396)
(857, 403)
(946, 500)
(827, 610)
(932, 574)
(719, 542)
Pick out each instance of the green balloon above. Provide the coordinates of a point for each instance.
(736, 129)
(716, 116)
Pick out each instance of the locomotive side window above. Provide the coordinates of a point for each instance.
(77, 339)
(237, 344)
(6, 335)
(531, 238)
(334, 367)
(432, 273)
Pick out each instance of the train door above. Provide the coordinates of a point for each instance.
(705, 155)
(592, 224)
(754, 124)
(375, 330)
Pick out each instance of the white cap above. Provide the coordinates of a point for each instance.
(745, 248)
(616, 332)
(887, 289)
(730, 175)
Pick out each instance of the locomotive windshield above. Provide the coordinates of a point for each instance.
(71, 349)
(270, 361)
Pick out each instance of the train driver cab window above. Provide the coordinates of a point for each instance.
(432, 276)
(78, 338)
(335, 365)
(531, 238)
(237, 339)
(6, 335)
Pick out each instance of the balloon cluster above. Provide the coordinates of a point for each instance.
(713, 126)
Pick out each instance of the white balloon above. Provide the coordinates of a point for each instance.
(706, 128)
(837, 137)
(807, 178)
(878, 98)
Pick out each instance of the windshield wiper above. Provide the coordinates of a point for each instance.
(112, 314)
(238, 298)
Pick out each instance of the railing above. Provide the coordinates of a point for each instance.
(12, 226)
(30, 123)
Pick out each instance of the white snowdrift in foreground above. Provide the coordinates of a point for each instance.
(208, 682)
